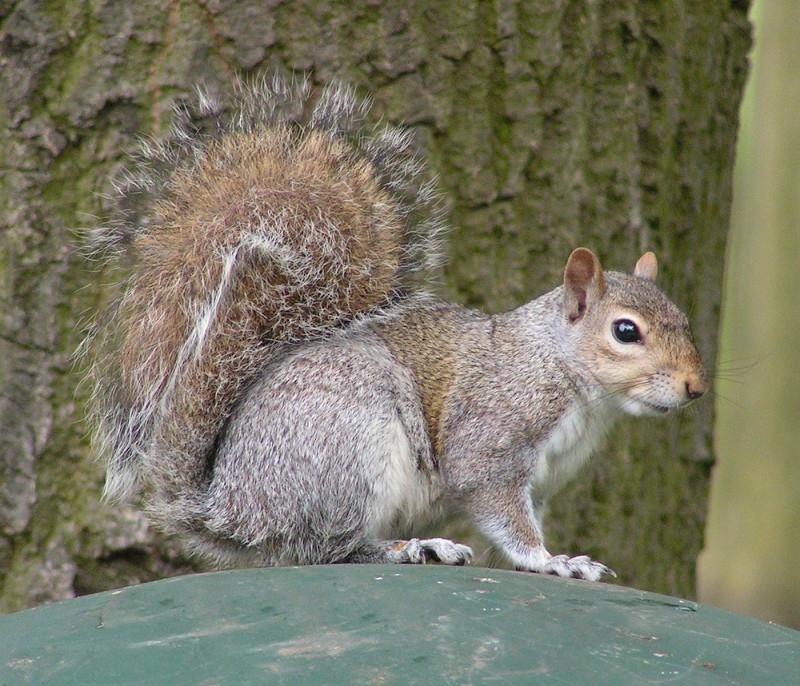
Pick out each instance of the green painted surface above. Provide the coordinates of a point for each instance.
(389, 625)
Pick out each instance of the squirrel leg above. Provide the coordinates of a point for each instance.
(512, 520)
(414, 551)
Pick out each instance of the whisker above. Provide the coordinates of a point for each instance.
(729, 379)
(617, 390)
(727, 399)
(744, 365)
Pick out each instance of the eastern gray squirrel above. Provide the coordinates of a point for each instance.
(277, 382)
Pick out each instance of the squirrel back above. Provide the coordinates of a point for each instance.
(279, 222)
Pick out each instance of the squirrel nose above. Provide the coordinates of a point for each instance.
(695, 387)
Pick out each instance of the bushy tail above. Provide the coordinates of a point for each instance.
(268, 222)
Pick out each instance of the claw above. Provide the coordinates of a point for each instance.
(420, 551)
(579, 567)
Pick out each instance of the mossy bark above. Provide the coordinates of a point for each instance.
(552, 124)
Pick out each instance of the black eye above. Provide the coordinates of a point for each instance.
(625, 331)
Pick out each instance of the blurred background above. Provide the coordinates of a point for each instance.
(751, 563)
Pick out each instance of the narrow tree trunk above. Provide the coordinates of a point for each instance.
(551, 123)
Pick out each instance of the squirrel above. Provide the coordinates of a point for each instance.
(277, 383)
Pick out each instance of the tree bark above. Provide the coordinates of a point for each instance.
(552, 124)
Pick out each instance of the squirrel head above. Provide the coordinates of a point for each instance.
(629, 336)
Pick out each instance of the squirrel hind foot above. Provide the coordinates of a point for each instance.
(415, 551)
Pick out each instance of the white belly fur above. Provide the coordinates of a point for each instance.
(569, 446)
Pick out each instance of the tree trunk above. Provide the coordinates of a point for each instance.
(551, 123)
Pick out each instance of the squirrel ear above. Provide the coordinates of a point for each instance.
(646, 267)
(583, 283)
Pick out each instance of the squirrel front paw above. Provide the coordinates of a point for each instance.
(580, 567)
(419, 551)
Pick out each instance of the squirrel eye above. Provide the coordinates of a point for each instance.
(625, 331)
